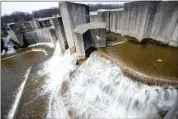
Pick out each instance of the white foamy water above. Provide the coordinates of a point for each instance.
(51, 45)
(33, 50)
(57, 69)
(10, 50)
(121, 42)
(99, 90)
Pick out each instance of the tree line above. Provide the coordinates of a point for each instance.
(19, 16)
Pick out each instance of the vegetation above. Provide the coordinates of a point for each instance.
(24, 16)
(45, 13)
(19, 16)
(16, 16)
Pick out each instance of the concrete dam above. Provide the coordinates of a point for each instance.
(111, 63)
(144, 20)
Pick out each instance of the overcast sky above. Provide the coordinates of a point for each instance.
(9, 7)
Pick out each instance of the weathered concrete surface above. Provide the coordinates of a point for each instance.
(103, 15)
(27, 26)
(35, 24)
(40, 36)
(90, 35)
(94, 17)
(45, 22)
(84, 27)
(60, 33)
(16, 33)
(140, 19)
(29, 32)
(73, 14)
(98, 37)
(13, 36)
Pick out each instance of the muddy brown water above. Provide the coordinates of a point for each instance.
(13, 72)
(151, 60)
(33, 104)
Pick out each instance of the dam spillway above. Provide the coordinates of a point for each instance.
(13, 73)
(43, 88)
(45, 94)
(57, 87)
(98, 89)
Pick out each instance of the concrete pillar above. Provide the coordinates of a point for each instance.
(104, 17)
(35, 24)
(15, 33)
(94, 17)
(73, 14)
(51, 22)
(13, 36)
(46, 35)
(23, 26)
(90, 35)
(60, 33)
(99, 37)
(43, 24)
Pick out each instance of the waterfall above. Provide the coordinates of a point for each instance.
(8, 44)
(57, 69)
(98, 89)
(40, 36)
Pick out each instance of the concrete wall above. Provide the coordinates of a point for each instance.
(91, 38)
(35, 24)
(102, 16)
(90, 35)
(27, 26)
(31, 34)
(95, 18)
(16, 33)
(105, 15)
(41, 36)
(156, 20)
(94, 38)
(73, 15)
(144, 19)
(98, 37)
(60, 33)
(13, 36)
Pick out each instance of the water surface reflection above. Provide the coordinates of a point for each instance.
(152, 60)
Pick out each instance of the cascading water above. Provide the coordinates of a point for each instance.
(40, 36)
(9, 45)
(98, 89)
(57, 69)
